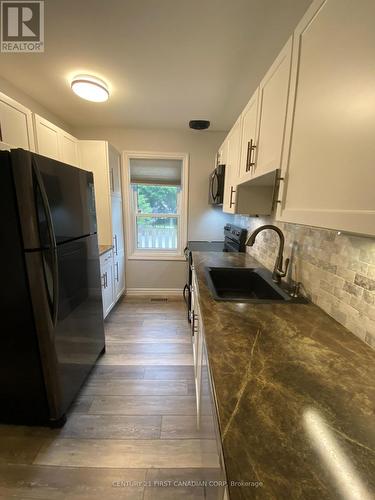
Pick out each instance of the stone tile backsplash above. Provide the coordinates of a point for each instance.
(337, 271)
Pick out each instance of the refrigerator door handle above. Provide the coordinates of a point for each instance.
(52, 239)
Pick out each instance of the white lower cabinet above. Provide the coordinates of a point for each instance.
(206, 398)
(112, 268)
(107, 278)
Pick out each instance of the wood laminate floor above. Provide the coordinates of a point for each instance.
(132, 432)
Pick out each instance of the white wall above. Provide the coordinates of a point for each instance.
(20, 96)
(204, 222)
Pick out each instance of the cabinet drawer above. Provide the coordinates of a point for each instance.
(106, 258)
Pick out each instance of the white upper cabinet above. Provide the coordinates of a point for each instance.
(330, 148)
(16, 125)
(273, 99)
(257, 150)
(221, 158)
(233, 142)
(69, 147)
(47, 138)
(243, 198)
(248, 140)
(54, 142)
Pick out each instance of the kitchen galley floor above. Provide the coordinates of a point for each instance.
(132, 432)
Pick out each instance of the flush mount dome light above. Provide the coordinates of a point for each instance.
(90, 88)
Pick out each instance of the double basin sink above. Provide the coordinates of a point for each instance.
(242, 284)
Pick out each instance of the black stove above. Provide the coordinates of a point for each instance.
(234, 238)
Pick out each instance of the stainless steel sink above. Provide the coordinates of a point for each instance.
(242, 284)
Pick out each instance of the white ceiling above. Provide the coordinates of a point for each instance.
(166, 61)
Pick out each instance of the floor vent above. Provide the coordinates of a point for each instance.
(159, 299)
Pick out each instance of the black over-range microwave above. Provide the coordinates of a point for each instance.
(216, 186)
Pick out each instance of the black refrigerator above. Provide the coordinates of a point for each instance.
(52, 329)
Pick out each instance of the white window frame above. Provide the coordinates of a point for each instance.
(134, 253)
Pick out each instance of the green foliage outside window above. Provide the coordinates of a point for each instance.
(156, 200)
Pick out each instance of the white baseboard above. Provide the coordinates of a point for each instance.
(153, 291)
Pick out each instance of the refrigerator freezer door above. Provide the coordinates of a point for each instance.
(69, 192)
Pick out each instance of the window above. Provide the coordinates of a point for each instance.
(157, 206)
(157, 216)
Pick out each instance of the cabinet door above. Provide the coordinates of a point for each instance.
(106, 269)
(69, 149)
(117, 225)
(94, 157)
(273, 100)
(198, 365)
(329, 162)
(232, 168)
(47, 138)
(248, 138)
(16, 127)
(119, 276)
(215, 489)
(114, 171)
(221, 157)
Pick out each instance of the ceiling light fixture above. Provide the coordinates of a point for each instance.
(199, 124)
(90, 88)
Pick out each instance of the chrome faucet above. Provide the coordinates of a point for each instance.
(278, 271)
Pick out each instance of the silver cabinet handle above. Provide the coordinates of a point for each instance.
(112, 181)
(248, 154)
(196, 324)
(251, 159)
(103, 280)
(231, 202)
(115, 245)
(117, 274)
(193, 326)
(250, 148)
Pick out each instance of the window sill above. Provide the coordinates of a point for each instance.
(157, 256)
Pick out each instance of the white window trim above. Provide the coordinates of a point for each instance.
(132, 252)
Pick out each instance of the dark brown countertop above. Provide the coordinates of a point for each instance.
(295, 393)
(104, 249)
